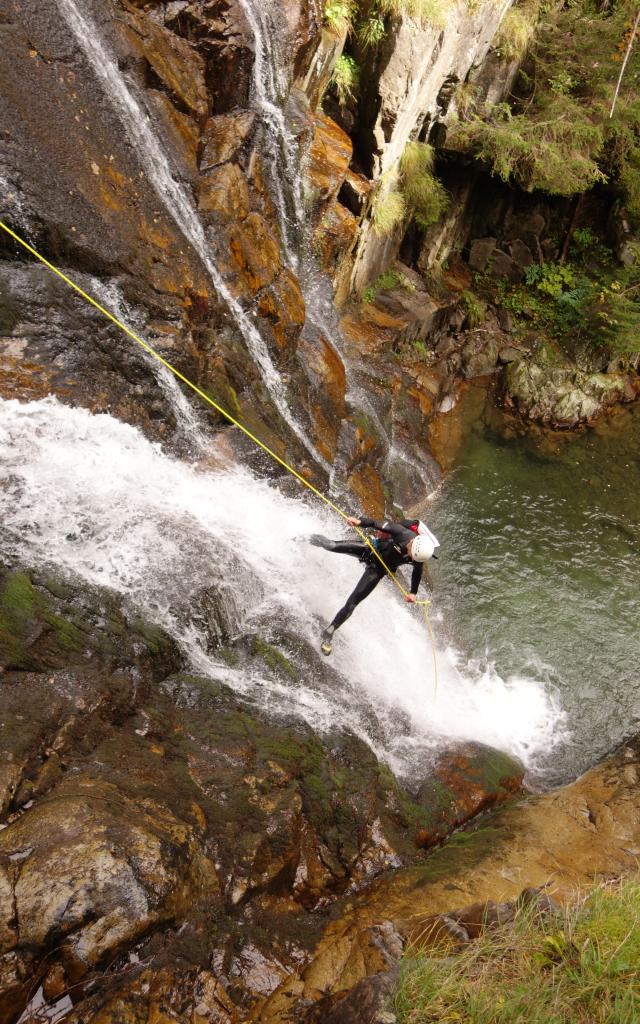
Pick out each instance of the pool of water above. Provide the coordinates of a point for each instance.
(539, 574)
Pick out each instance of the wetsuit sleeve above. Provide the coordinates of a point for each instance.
(416, 576)
(399, 533)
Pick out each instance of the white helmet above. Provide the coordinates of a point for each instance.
(421, 548)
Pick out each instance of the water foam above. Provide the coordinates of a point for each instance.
(91, 496)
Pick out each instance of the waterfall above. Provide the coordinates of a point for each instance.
(178, 202)
(88, 496)
(189, 426)
(271, 83)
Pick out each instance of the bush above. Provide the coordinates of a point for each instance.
(423, 192)
(388, 211)
(345, 79)
(340, 14)
(558, 135)
(578, 966)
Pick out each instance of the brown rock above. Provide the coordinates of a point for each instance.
(223, 192)
(97, 871)
(178, 66)
(15, 986)
(481, 251)
(55, 983)
(335, 236)
(326, 369)
(504, 266)
(465, 781)
(255, 253)
(520, 253)
(169, 995)
(223, 136)
(181, 128)
(366, 484)
(329, 158)
(355, 192)
(480, 916)
(282, 304)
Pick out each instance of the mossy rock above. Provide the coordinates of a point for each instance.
(465, 780)
(47, 623)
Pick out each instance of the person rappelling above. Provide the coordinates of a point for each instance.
(408, 542)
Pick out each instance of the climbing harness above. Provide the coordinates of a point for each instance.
(227, 415)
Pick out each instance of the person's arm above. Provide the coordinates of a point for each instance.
(400, 534)
(416, 576)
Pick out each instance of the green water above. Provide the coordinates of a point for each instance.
(540, 573)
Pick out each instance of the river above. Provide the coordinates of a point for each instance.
(541, 575)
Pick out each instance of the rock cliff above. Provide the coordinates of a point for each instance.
(170, 851)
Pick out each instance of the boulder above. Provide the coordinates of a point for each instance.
(503, 265)
(481, 251)
(223, 137)
(464, 781)
(562, 396)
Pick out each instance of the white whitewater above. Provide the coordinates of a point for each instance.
(142, 135)
(92, 497)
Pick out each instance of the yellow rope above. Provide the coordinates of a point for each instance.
(223, 412)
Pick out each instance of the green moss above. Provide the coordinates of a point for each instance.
(18, 614)
(229, 656)
(154, 638)
(273, 658)
(460, 851)
(68, 636)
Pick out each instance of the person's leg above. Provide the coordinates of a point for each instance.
(341, 547)
(367, 582)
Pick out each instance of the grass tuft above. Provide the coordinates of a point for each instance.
(422, 191)
(580, 966)
(388, 211)
(345, 79)
(340, 14)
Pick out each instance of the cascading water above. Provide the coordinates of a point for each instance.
(142, 135)
(90, 496)
(189, 428)
(271, 83)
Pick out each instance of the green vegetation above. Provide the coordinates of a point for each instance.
(423, 192)
(575, 966)
(516, 31)
(475, 308)
(589, 303)
(388, 211)
(386, 282)
(370, 18)
(411, 188)
(558, 136)
(345, 79)
(340, 14)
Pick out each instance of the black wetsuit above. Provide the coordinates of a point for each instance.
(393, 552)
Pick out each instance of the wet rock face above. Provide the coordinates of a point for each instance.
(86, 185)
(157, 818)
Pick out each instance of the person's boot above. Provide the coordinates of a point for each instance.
(319, 541)
(327, 638)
